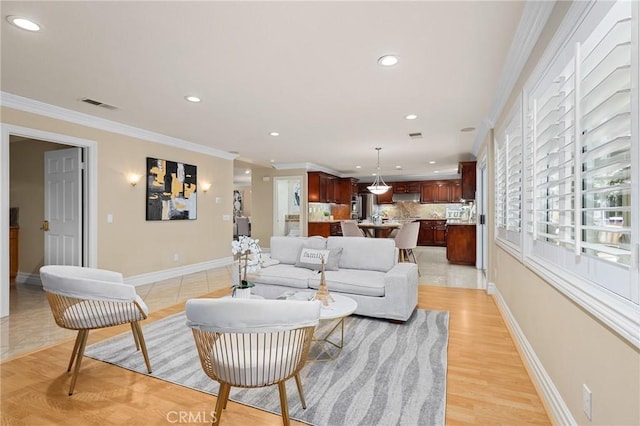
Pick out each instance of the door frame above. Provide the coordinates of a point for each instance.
(276, 180)
(482, 237)
(90, 195)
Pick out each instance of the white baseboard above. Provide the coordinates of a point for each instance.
(558, 409)
(152, 277)
(25, 278)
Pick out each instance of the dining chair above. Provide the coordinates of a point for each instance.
(250, 343)
(350, 229)
(85, 299)
(407, 240)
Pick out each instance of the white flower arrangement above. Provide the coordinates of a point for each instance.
(241, 249)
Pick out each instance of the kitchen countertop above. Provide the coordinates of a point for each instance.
(449, 221)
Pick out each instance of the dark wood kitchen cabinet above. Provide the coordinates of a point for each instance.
(440, 191)
(443, 192)
(13, 251)
(324, 229)
(346, 190)
(406, 187)
(387, 197)
(467, 170)
(461, 244)
(428, 192)
(321, 187)
(432, 233)
(456, 191)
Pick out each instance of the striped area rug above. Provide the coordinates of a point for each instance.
(386, 374)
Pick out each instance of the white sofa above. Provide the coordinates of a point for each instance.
(368, 272)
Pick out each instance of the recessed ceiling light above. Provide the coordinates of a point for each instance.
(410, 117)
(467, 129)
(358, 167)
(436, 171)
(274, 134)
(432, 162)
(398, 167)
(387, 60)
(193, 99)
(246, 172)
(373, 174)
(272, 161)
(24, 23)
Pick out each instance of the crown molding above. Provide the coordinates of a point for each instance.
(307, 166)
(36, 107)
(534, 17)
(571, 21)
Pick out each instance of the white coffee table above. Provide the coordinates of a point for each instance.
(337, 311)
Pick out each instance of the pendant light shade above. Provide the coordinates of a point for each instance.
(378, 186)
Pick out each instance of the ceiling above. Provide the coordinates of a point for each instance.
(307, 70)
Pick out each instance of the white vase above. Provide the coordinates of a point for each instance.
(242, 293)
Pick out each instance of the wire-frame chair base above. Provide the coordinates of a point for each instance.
(85, 315)
(252, 360)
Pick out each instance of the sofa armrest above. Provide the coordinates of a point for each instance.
(401, 288)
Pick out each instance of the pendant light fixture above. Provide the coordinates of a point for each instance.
(378, 186)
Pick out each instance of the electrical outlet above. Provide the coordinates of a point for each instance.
(176, 257)
(586, 401)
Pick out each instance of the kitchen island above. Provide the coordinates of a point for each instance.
(461, 243)
(326, 228)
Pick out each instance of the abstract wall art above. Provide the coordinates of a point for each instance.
(171, 190)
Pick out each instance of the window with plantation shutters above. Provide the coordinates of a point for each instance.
(553, 160)
(509, 180)
(514, 171)
(605, 142)
(581, 164)
(501, 186)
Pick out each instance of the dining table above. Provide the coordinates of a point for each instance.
(377, 230)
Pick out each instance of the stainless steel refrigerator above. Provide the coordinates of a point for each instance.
(366, 205)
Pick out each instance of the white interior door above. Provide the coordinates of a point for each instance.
(63, 207)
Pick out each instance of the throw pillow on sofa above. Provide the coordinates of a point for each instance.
(312, 259)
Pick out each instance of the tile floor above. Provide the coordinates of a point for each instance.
(30, 325)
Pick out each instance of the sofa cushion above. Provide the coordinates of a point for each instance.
(284, 275)
(369, 254)
(287, 249)
(352, 281)
(312, 259)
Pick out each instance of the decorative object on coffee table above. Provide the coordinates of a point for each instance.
(323, 291)
(241, 249)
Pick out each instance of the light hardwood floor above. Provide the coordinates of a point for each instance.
(486, 379)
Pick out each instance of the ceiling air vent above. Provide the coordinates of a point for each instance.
(98, 103)
(415, 135)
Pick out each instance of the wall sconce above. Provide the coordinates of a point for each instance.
(134, 179)
(205, 186)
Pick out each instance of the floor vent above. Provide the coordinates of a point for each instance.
(98, 103)
(415, 135)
